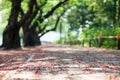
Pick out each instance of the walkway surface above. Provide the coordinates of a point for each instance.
(60, 62)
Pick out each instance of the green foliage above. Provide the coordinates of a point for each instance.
(104, 31)
(49, 5)
(24, 5)
(94, 17)
(5, 7)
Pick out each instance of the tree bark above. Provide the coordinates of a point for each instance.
(30, 37)
(11, 39)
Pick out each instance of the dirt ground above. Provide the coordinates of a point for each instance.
(60, 62)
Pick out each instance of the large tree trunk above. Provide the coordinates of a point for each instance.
(30, 37)
(11, 39)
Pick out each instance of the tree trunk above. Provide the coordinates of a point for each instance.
(30, 37)
(11, 39)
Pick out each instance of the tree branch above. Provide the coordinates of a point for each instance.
(41, 17)
(54, 8)
(55, 27)
(49, 13)
(21, 11)
(38, 8)
(29, 12)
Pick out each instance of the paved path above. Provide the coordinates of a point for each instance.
(60, 62)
